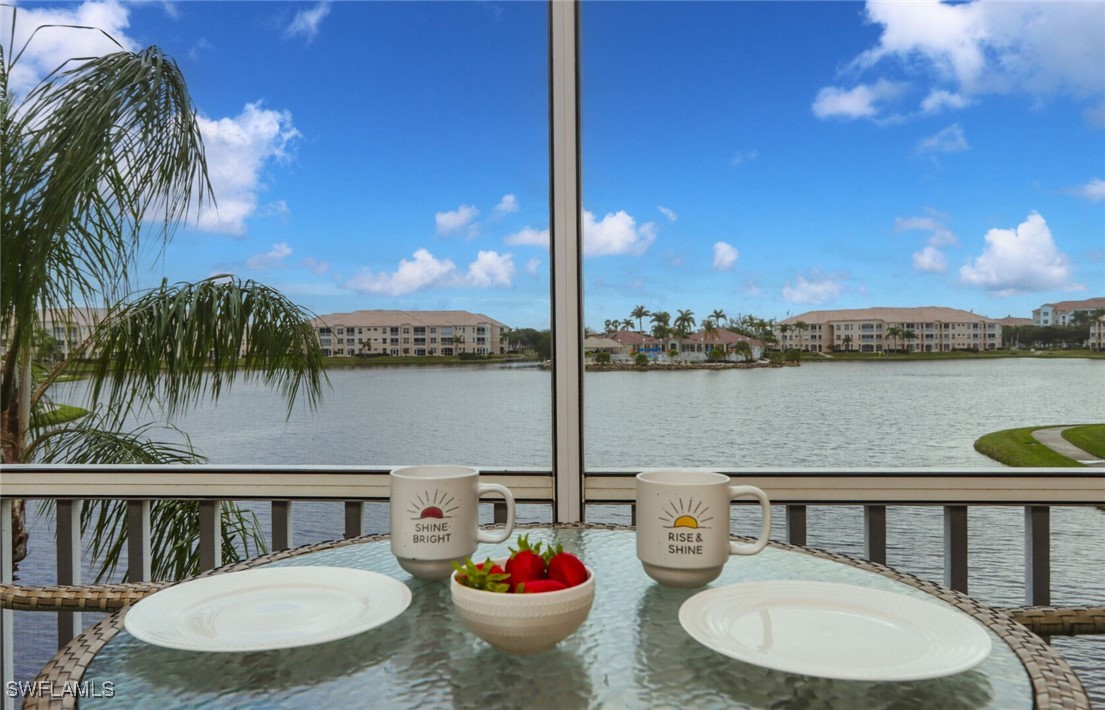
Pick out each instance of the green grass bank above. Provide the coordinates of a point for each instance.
(1017, 447)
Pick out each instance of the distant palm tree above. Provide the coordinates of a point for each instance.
(91, 158)
(847, 342)
(709, 331)
(640, 313)
(908, 335)
(801, 326)
(896, 333)
(661, 324)
(784, 328)
(628, 323)
(684, 322)
(718, 316)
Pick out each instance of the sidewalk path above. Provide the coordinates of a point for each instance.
(1053, 439)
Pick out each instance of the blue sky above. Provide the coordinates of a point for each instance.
(766, 158)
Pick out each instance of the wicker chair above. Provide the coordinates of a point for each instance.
(94, 597)
(1059, 621)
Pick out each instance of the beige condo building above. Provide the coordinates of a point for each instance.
(935, 329)
(408, 333)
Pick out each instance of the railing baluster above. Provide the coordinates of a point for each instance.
(796, 524)
(69, 563)
(211, 534)
(1037, 555)
(139, 566)
(354, 518)
(874, 533)
(282, 527)
(7, 643)
(955, 547)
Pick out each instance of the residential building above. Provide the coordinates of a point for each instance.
(695, 347)
(1060, 313)
(68, 329)
(1097, 334)
(403, 333)
(925, 329)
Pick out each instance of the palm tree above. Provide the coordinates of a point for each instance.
(684, 322)
(894, 332)
(718, 316)
(628, 323)
(89, 159)
(661, 322)
(847, 342)
(908, 335)
(801, 326)
(709, 331)
(640, 313)
(783, 329)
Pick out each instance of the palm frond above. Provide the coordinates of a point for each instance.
(175, 523)
(87, 158)
(178, 344)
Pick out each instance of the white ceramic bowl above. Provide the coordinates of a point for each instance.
(524, 623)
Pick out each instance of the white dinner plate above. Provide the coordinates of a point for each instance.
(835, 630)
(265, 609)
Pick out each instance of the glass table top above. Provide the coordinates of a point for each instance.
(631, 652)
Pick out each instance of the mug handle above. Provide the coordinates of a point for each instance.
(736, 548)
(488, 535)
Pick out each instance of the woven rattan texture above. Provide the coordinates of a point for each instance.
(1053, 682)
(1065, 621)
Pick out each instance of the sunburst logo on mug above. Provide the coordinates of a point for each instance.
(437, 504)
(689, 513)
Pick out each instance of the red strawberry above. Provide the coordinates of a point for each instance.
(566, 568)
(537, 586)
(525, 564)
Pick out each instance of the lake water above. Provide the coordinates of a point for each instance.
(831, 415)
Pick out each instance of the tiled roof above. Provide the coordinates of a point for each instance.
(890, 315)
(1068, 306)
(376, 318)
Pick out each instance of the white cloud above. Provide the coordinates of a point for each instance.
(529, 236)
(617, 233)
(237, 150)
(744, 156)
(307, 22)
(966, 49)
(425, 271)
(939, 99)
(315, 266)
(489, 269)
(507, 205)
(862, 101)
(1023, 260)
(940, 234)
(949, 140)
(1094, 190)
(817, 290)
(533, 265)
(456, 220)
(271, 259)
(725, 256)
(930, 259)
(667, 213)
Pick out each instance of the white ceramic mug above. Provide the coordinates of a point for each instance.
(683, 525)
(435, 517)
